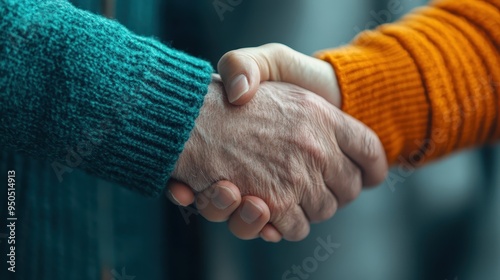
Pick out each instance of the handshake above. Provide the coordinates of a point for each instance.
(270, 151)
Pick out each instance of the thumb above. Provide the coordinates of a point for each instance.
(243, 70)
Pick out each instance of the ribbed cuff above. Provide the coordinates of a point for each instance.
(167, 92)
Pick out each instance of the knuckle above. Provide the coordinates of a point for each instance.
(328, 212)
(288, 221)
(348, 130)
(277, 47)
(355, 183)
(229, 59)
(348, 183)
(298, 232)
(325, 212)
(372, 148)
(319, 204)
(354, 189)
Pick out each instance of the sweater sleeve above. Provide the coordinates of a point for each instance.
(81, 91)
(428, 84)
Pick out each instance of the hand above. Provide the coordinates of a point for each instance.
(243, 70)
(288, 147)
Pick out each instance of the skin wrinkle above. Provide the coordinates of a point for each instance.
(345, 168)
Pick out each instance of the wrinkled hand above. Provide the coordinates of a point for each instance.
(298, 153)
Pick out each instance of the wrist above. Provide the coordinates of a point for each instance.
(210, 119)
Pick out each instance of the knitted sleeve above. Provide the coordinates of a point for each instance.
(81, 91)
(428, 84)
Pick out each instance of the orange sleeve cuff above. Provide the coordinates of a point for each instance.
(425, 85)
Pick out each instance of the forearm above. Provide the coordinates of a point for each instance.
(73, 82)
(428, 84)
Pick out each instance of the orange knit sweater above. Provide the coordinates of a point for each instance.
(428, 84)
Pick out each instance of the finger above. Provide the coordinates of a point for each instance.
(362, 146)
(292, 223)
(243, 70)
(219, 201)
(343, 178)
(319, 205)
(250, 218)
(270, 234)
(179, 193)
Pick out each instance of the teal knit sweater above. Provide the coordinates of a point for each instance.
(81, 92)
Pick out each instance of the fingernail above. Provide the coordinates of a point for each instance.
(224, 198)
(250, 212)
(169, 193)
(237, 88)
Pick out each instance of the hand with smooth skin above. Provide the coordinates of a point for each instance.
(243, 70)
(300, 155)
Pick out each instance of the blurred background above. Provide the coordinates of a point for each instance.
(439, 222)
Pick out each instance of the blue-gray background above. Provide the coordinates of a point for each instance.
(441, 222)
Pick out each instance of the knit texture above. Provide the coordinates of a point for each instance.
(428, 84)
(81, 91)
